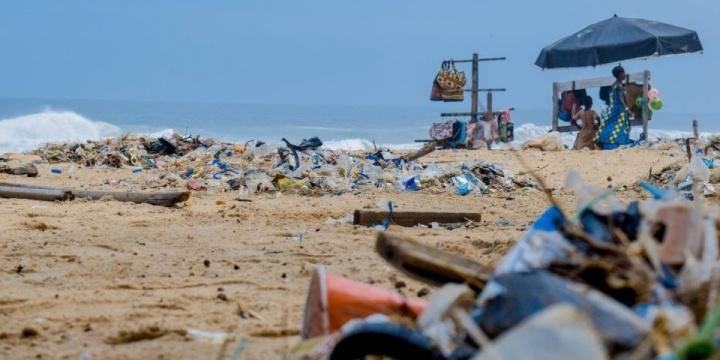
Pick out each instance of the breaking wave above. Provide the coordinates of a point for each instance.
(27, 132)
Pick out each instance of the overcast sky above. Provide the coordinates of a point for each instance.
(334, 52)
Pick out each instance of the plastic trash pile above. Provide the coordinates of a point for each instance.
(126, 150)
(702, 170)
(257, 167)
(636, 280)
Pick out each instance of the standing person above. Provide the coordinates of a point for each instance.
(589, 120)
(615, 124)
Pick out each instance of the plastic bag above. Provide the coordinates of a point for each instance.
(258, 181)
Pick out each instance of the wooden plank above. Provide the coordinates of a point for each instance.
(14, 192)
(499, 58)
(429, 264)
(595, 82)
(555, 106)
(152, 198)
(482, 114)
(480, 59)
(414, 217)
(486, 90)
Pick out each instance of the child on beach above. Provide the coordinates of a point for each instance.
(589, 121)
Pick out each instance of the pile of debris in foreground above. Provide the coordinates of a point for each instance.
(255, 166)
(636, 280)
(702, 168)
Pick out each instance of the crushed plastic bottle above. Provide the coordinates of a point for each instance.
(467, 183)
(412, 183)
(462, 185)
(215, 337)
(698, 170)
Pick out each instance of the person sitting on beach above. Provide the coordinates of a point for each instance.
(614, 128)
(483, 131)
(588, 123)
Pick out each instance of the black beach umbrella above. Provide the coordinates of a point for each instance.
(617, 39)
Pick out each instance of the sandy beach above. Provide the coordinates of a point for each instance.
(113, 280)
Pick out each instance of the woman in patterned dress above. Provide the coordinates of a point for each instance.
(614, 129)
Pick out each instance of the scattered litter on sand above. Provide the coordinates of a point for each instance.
(256, 167)
(606, 280)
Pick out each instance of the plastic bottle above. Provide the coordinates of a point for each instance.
(698, 170)
(412, 183)
(462, 185)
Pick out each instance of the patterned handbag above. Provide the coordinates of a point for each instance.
(441, 131)
(448, 84)
(453, 84)
(440, 79)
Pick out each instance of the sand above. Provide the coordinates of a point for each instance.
(116, 280)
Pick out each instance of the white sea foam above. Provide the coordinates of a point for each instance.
(27, 132)
(526, 132)
(363, 144)
(166, 133)
(349, 144)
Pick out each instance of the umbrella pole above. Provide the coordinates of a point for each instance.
(555, 106)
(646, 88)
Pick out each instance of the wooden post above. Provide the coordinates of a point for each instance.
(646, 88)
(430, 264)
(696, 129)
(474, 94)
(489, 104)
(489, 117)
(555, 106)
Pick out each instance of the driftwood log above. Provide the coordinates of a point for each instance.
(16, 192)
(413, 217)
(19, 168)
(48, 193)
(429, 264)
(426, 149)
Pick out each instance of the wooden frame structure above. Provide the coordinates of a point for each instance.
(475, 90)
(560, 87)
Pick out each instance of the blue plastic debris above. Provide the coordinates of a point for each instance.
(412, 183)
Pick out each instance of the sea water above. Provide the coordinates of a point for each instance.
(28, 123)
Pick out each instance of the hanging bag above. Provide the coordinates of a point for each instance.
(453, 84)
(437, 90)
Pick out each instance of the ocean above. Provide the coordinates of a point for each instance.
(28, 123)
